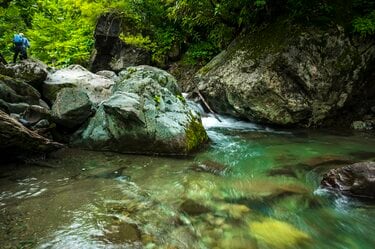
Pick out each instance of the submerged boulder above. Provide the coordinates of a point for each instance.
(279, 234)
(356, 180)
(121, 233)
(145, 114)
(71, 108)
(287, 75)
(15, 139)
(210, 166)
(192, 207)
(97, 87)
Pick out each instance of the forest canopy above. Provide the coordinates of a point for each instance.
(61, 31)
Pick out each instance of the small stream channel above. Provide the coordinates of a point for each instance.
(253, 187)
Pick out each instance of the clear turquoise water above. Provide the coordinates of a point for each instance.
(264, 194)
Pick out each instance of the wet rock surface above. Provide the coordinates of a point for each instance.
(357, 180)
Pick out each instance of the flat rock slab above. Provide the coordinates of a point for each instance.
(97, 87)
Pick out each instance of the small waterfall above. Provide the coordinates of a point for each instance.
(210, 121)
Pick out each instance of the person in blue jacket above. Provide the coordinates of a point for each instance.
(21, 43)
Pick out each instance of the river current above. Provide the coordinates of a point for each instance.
(252, 187)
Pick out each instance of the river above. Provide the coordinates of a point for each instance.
(252, 187)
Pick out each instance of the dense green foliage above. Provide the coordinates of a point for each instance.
(12, 18)
(365, 23)
(61, 31)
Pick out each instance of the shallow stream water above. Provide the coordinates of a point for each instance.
(252, 187)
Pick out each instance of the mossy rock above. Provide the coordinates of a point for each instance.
(278, 234)
(288, 74)
(144, 115)
(195, 135)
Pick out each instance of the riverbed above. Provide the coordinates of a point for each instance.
(251, 187)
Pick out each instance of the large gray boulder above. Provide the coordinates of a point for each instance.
(30, 71)
(97, 87)
(356, 180)
(287, 75)
(71, 108)
(145, 114)
(15, 139)
(16, 91)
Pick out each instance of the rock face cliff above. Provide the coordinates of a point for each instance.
(110, 52)
(288, 75)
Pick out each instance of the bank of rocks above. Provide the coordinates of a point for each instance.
(141, 110)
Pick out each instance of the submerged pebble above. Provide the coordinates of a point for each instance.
(209, 166)
(192, 207)
(121, 233)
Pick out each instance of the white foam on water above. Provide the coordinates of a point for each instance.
(210, 121)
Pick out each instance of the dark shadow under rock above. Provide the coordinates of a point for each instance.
(363, 155)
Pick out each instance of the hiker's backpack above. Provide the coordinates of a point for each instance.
(17, 39)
